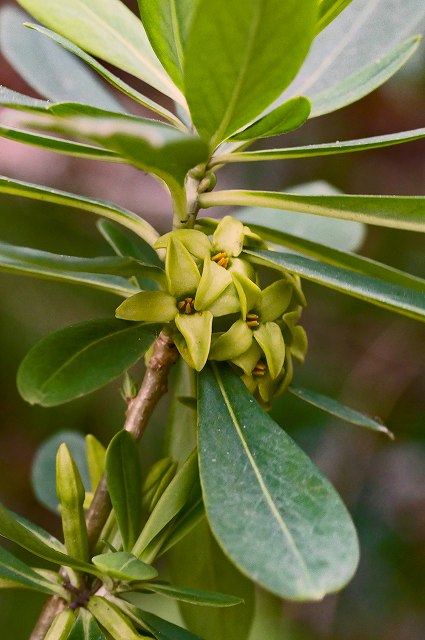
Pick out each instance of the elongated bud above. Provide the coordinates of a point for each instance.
(61, 626)
(71, 494)
(158, 479)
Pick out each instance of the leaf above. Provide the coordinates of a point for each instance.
(46, 67)
(123, 476)
(160, 629)
(319, 150)
(335, 408)
(363, 82)
(109, 31)
(195, 596)
(182, 420)
(61, 625)
(287, 117)
(112, 619)
(18, 574)
(95, 454)
(172, 501)
(114, 80)
(408, 302)
(80, 359)
(15, 100)
(271, 510)
(399, 212)
(58, 145)
(124, 566)
(329, 10)
(85, 627)
(240, 56)
(43, 472)
(103, 208)
(357, 40)
(167, 24)
(38, 541)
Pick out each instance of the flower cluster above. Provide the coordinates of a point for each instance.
(215, 309)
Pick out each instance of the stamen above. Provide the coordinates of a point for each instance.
(186, 306)
(260, 369)
(252, 320)
(221, 259)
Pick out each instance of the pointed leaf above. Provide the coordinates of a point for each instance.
(159, 628)
(61, 626)
(150, 306)
(18, 574)
(112, 619)
(114, 80)
(195, 596)
(85, 627)
(49, 69)
(287, 117)
(15, 100)
(397, 298)
(95, 453)
(399, 212)
(124, 566)
(261, 497)
(106, 209)
(81, 358)
(123, 476)
(250, 51)
(99, 28)
(329, 10)
(335, 408)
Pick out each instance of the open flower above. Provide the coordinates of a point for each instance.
(191, 302)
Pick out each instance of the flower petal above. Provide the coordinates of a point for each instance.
(249, 359)
(213, 282)
(249, 293)
(150, 306)
(270, 339)
(182, 273)
(196, 330)
(229, 236)
(227, 303)
(299, 344)
(245, 268)
(275, 300)
(232, 343)
(196, 242)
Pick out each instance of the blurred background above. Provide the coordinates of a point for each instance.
(367, 358)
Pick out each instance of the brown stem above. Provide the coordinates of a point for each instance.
(153, 387)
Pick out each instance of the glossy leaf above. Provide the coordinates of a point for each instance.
(167, 24)
(195, 596)
(49, 69)
(43, 472)
(105, 73)
(184, 525)
(272, 511)
(159, 628)
(112, 619)
(399, 212)
(287, 117)
(99, 207)
(240, 56)
(408, 302)
(335, 408)
(352, 46)
(124, 566)
(329, 10)
(61, 625)
(172, 501)
(318, 150)
(81, 358)
(182, 419)
(85, 627)
(109, 31)
(123, 476)
(18, 574)
(95, 454)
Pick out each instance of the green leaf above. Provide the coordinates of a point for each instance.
(81, 358)
(287, 117)
(335, 408)
(328, 149)
(43, 472)
(99, 207)
(184, 524)
(112, 619)
(123, 476)
(240, 56)
(109, 31)
(38, 541)
(18, 574)
(342, 259)
(114, 80)
(329, 10)
(167, 24)
(399, 212)
(181, 423)
(85, 627)
(15, 100)
(195, 596)
(159, 628)
(48, 68)
(124, 566)
(397, 298)
(365, 81)
(272, 511)
(175, 497)
(61, 626)
(95, 454)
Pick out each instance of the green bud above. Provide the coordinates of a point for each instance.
(95, 454)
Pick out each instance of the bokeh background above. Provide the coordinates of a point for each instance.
(366, 357)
